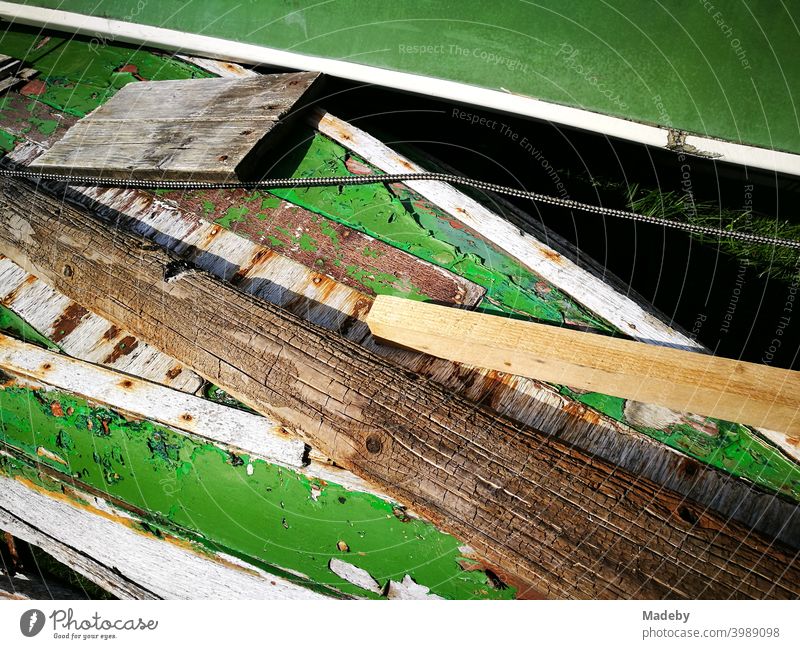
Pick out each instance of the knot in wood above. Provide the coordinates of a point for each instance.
(374, 444)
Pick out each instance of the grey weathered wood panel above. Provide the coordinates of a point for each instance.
(202, 129)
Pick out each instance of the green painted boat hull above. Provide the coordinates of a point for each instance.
(722, 71)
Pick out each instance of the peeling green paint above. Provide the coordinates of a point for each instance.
(232, 215)
(399, 217)
(13, 325)
(732, 447)
(81, 73)
(7, 141)
(272, 515)
(75, 83)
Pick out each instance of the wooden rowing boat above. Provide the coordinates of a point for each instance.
(234, 501)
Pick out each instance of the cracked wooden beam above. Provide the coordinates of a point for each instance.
(545, 513)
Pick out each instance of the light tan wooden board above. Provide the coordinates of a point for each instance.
(208, 129)
(749, 393)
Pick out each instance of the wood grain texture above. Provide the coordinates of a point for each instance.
(546, 514)
(86, 335)
(202, 129)
(316, 298)
(758, 395)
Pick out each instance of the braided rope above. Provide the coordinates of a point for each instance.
(290, 183)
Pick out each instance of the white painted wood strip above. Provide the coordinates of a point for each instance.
(94, 338)
(783, 441)
(622, 312)
(254, 268)
(564, 251)
(220, 68)
(498, 100)
(129, 563)
(256, 435)
(608, 293)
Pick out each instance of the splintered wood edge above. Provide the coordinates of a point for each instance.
(101, 544)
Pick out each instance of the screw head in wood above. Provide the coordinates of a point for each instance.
(374, 444)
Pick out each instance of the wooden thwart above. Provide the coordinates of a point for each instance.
(541, 511)
(746, 393)
(200, 129)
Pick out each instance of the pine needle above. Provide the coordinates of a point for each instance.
(778, 263)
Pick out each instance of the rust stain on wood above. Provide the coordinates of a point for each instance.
(67, 322)
(11, 296)
(173, 372)
(122, 348)
(111, 333)
(34, 88)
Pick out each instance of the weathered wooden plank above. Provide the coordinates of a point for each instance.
(102, 545)
(12, 72)
(629, 316)
(341, 253)
(220, 68)
(659, 465)
(19, 77)
(759, 395)
(565, 253)
(227, 427)
(86, 335)
(208, 129)
(314, 297)
(545, 513)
